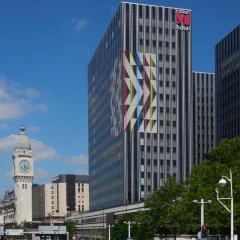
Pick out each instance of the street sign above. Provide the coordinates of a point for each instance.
(14, 232)
(52, 230)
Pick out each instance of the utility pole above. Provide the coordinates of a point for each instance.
(202, 202)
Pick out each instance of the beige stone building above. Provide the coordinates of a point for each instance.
(67, 194)
(49, 202)
(82, 197)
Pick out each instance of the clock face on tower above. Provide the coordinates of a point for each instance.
(24, 166)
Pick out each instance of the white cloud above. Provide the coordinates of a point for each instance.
(33, 128)
(6, 182)
(82, 160)
(3, 126)
(16, 101)
(40, 150)
(79, 24)
(40, 174)
(41, 107)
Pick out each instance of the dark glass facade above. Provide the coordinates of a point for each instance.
(204, 130)
(140, 104)
(227, 70)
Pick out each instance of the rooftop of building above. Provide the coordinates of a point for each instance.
(71, 177)
(23, 141)
(154, 5)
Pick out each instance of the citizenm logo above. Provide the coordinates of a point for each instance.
(183, 20)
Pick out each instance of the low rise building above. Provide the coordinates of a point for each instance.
(49, 202)
(52, 202)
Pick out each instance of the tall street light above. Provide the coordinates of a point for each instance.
(109, 232)
(223, 181)
(129, 229)
(202, 208)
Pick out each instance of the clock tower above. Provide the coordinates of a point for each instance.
(23, 176)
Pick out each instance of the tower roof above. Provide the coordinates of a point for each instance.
(23, 141)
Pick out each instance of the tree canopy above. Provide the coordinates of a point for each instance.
(170, 210)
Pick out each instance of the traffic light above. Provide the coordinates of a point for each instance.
(204, 231)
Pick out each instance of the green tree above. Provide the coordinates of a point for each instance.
(120, 228)
(171, 210)
(165, 210)
(71, 227)
(203, 181)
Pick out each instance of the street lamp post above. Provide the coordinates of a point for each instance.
(202, 208)
(223, 181)
(109, 232)
(129, 229)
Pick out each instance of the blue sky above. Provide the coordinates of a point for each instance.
(45, 47)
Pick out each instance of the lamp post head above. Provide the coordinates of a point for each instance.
(222, 182)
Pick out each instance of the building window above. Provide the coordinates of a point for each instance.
(166, 14)
(140, 11)
(161, 149)
(153, 13)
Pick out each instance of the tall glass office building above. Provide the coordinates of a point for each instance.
(227, 72)
(140, 104)
(204, 120)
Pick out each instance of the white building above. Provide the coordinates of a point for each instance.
(16, 206)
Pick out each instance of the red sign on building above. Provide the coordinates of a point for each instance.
(183, 20)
